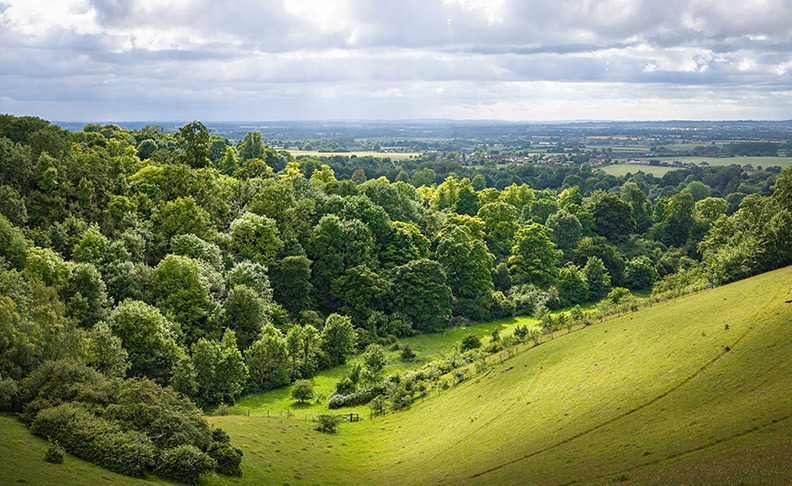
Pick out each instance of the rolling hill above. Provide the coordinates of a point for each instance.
(690, 391)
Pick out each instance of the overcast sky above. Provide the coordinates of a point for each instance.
(126, 60)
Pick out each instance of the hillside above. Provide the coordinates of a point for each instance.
(666, 394)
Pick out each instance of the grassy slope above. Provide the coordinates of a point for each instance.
(427, 347)
(652, 397)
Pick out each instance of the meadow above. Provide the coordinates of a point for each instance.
(689, 391)
(381, 155)
(764, 162)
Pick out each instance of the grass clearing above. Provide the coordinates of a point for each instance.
(621, 170)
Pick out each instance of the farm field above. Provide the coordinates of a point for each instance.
(764, 162)
(381, 155)
(690, 391)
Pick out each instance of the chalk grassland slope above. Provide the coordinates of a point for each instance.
(666, 395)
(663, 393)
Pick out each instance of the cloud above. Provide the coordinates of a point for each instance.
(337, 58)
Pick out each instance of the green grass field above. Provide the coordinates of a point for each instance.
(427, 347)
(690, 391)
(381, 155)
(764, 162)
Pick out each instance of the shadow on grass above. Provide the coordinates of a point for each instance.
(301, 405)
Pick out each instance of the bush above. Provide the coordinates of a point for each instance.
(8, 394)
(222, 410)
(364, 395)
(220, 435)
(54, 453)
(470, 341)
(407, 353)
(185, 464)
(345, 386)
(228, 458)
(302, 390)
(327, 423)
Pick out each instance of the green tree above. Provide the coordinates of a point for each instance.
(180, 289)
(421, 292)
(245, 312)
(252, 146)
(362, 292)
(338, 338)
(256, 238)
(500, 226)
(640, 274)
(148, 337)
(181, 216)
(613, 217)
(291, 283)
(567, 229)
(106, 353)
(534, 256)
(374, 361)
(268, 362)
(597, 277)
(193, 140)
(220, 371)
(572, 285)
(466, 262)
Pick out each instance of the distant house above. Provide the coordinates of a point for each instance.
(596, 161)
(748, 168)
(703, 164)
(676, 163)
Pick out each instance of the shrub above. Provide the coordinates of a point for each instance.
(302, 390)
(407, 353)
(185, 464)
(220, 435)
(228, 458)
(54, 453)
(8, 394)
(470, 341)
(345, 386)
(327, 423)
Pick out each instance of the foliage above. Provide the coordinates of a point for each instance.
(184, 464)
(227, 457)
(302, 390)
(327, 423)
(54, 453)
(470, 341)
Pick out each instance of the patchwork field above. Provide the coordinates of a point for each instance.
(764, 162)
(690, 391)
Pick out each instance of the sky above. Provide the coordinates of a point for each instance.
(520, 60)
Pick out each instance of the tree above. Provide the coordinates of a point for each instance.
(613, 217)
(572, 285)
(252, 146)
(597, 277)
(291, 283)
(534, 256)
(106, 353)
(148, 337)
(180, 289)
(500, 225)
(256, 238)
(362, 292)
(374, 361)
(640, 274)
(470, 341)
(246, 313)
(220, 371)
(420, 292)
(338, 338)
(466, 262)
(302, 390)
(268, 362)
(567, 230)
(181, 216)
(599, 247)
(193, 139)
(467, 199)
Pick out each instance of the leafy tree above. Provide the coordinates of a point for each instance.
(421, 292)
(256, 238)
(446, 196)
(87, 297)
(15, 165)
(470, 341)
(597, 277)
(251, 146)
(291, 283)
(106, 353)
(245, 312)
(572, 285)
(302, 390)
(467, 199)
(193, 139)
(181, 216)
(13, 245)
(640, 274)
(220, 371)
(268, 362)
(362, 292)
(148, 337)
(542, 208)
(374, 361)
(613, 217)
(534, 255)
(518, 196)
(182, 292)
(567, 229)
(466, 262)
(677, 220)
(49, 267)
(251, 275)
(92, 247)
(500, 226)
(599, 247)
(711, 208)
(338, 338)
